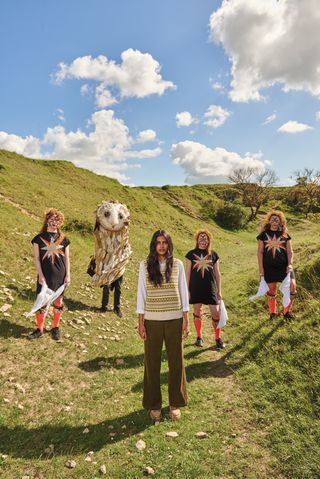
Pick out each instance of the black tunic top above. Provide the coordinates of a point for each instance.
(203, 285)
(275, 256)
(52, 258)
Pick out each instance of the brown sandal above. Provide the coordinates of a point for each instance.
(174, 414)
(155, 415)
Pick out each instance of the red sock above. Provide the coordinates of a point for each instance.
(217, 331)
(56, 318)
(40, 321)
(198, 325)
(272, 303)
(288, 308)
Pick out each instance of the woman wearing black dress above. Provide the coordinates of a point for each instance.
(275, 257)
(51, 257)
(204, 282)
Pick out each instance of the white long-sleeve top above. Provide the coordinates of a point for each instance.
(142, 287)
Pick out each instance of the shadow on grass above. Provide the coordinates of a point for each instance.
(206, 369)
(251, 353)
(119, 362)
(28, 443)
(12, 330)
(76, 305)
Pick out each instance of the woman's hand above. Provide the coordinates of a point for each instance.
(261, 272)
(67, 280)
(289, 268)
(141, 329)
(219, 295)
(185, 325)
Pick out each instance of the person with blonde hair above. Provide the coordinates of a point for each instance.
(52, 261)
(275, 259)
(204, 282)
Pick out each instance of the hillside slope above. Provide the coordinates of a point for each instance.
(258, 400)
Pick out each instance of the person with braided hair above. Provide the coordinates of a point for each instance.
(52, 261)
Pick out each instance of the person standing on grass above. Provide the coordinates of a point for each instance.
(162, 307)
(275, 259)
(204, 282)
(52, 261)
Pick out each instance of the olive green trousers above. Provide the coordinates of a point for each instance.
(169, 332)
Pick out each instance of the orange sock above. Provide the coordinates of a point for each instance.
(217, 331)
(197, 321)
(288, 308)
(40, 321)
(57, 311)
(272, 303)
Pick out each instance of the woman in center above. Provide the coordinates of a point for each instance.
(162, 307)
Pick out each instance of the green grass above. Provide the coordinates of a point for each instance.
(258, 400)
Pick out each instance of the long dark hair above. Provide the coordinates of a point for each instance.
(153, 266)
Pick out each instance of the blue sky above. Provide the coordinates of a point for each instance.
(170, 92)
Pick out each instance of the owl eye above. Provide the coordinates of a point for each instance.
(120, 216)
(107, 214)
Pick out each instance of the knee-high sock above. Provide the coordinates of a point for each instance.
(197, 321)
(272, 300)
(288, 308)
(272, 303)
(57, 311)
(40, 320)
(56, 319)
(217, 331)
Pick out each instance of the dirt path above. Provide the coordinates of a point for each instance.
(19, 207)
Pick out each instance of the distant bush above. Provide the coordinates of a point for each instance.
(165, 187)
(2, 167)
(231, 216)
(210, 207)
(229, 194)
(77, 226)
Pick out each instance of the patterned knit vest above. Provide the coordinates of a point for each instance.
(163, 302)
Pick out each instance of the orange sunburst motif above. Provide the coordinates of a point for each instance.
(274, 244)
(53, 250)
(202, 263)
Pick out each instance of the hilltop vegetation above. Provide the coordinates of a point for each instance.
(258, 400)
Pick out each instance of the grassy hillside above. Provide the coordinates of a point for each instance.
(258, 400)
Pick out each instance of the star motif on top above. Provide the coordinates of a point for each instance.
(275, 244)
(53, 250)
(202, 263)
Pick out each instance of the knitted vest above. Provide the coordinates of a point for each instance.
(163, 302)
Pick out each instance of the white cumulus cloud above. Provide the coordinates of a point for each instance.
(184, 118)
(28, 146)
(138, 75)
(294, 127)
(268, 42)
(203, 164)
(147, 135)
(105, 149)
(216, 116)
